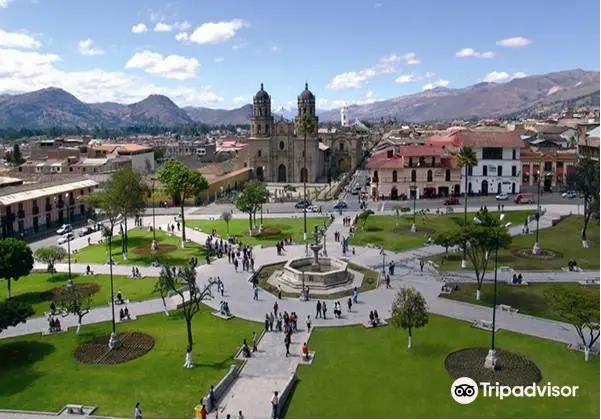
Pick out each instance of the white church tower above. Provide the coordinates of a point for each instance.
(344, 116)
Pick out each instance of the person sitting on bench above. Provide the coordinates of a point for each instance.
(126, 313)
(305, 351)
(376, 317)
(121, 314)
(514, 279)
(245, 349)
(133, 272)
(520, 278)
(52, 308)
(119, 298)
(88, 271)
(372, 319)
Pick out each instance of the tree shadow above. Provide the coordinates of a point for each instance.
(438, 349)
(16, 360)
(217, 365)
(59, 278)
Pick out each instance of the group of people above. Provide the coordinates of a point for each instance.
(517, 278)
(572, 266)
(135, 273)
(119, 299)
(374, 318)
(337, 309)
(171, 228)
(245, 253)
(124, 314)
(224, 308)
(54, 325)
(246, 349)
(89, 271)
(279, 246)
(346, 221)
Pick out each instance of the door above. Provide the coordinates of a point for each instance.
(498, 188)
(394, 194)
(484, 187)
(282, 173)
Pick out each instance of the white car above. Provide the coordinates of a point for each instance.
(64, 229)
(314, 208)
(569, 194)
(86, 231)
(65, 238)
(502, 197)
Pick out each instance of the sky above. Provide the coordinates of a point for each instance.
(216, 53)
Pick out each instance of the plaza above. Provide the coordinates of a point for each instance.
(351, 360)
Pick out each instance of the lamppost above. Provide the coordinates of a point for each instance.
(324, 235)
(491, 358)
(414, 189)
(154, 235)
(536, 248)
(261, 214)
(70, 280)
(383, 253)
(114, 341)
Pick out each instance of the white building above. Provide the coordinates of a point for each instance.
(344, 116)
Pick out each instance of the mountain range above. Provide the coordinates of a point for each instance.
(56, 107)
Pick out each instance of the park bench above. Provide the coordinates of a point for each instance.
(307, 360)
(46, 331)
(132, 317)
(484, 325)
(589, 282)
(447, 288)
(511, 283)
(506, 308)
(505, 269)
(218, 314)
(574, 269)
(433, 264)
(125, 302)
(74, 409)
(368, 324)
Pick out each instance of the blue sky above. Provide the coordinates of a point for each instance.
(216, 53)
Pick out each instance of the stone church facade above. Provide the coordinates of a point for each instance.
(275, 149)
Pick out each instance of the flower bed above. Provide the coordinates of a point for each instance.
(96, 351)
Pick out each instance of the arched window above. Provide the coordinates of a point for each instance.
(267, 129)
(281, 145)
(394, 176)
(413, 176)
(429, 179)
(259, 153)
(447, 175)
(375, 177)
(260, 112)
(259, 128)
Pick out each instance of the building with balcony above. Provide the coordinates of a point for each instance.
(32, 208)
(402, 171)
(588, 142)
(551, 166)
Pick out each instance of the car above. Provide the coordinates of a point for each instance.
(314, 208)
(86, 230)
(303, 204)
(65, 238)
(569, 194)
(64, 229)
(340, 205)
(502, 197)
(524, 198)
(450, 201)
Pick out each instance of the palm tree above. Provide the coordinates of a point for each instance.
(466, 159)
(305, 124)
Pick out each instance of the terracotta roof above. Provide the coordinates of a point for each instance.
(488, 139)
(419, 150)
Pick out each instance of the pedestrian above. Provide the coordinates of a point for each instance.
(349, 303)
(279, 292)
(253, 342)
(275, 402)
(308, 323)
(388, 281)
(240, 416)
(138, 411)
(324, 309)
(318, 308)
(275, 308)
(266, 322)
(203, 411)
(271, 321)
(255, 293)
(421, 264)
(287, 341)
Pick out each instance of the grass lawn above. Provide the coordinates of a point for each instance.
(370, 373)
(395, 232)
(370, 282)
(139, 241)
(40, 373)
(529, 299)
(563, 239)
(274, 229)
(36, 289)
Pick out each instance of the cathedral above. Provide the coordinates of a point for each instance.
(276, 150)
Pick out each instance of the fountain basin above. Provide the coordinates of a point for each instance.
(328, 273)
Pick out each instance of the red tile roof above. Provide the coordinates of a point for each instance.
(488, 139)
(419, 150)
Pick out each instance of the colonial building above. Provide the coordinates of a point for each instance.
(276, 151)
(551, 166)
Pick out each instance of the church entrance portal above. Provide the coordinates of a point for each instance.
(282, 173)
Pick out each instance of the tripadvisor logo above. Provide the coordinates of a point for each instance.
(465, 390)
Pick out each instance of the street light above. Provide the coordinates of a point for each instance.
(114, 341)
(491, 358)
(536, 248)
(413, 226)
(324, 235)
(383, 253)
(154, 235)
(70, 280)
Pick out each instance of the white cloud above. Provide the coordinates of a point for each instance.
(438, 83)
(240, 100)
(406, 78)
(410, 58)
(501, 76)
(170, 67)
(85, 47)
(27, 71)
(219, 59)
(4, 3)
(217, 32)
(162, 27)
(17, 40)
(183, 26)
(239, 46)
(275, 48)
(357, 79)
(182, 36)
(469, 52)
(139, 28)
(515, 42)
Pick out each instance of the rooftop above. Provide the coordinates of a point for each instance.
(24, 192)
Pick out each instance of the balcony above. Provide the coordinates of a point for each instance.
(48, 207)
(21, 214)
(36, 210)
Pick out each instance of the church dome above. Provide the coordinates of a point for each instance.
(306, 95)
(261, 95)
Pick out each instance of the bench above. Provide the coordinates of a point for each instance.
(448, 288)
(433, 264)
(47, 331)
(307, 361)
(484, 325)
(131, 318)
(382, 323)
(184, 289)
(506, 269)
(218, 314)
(506, 308)
(125, 302)
(574, 269)
(511, 283)
(74, 409)
(589, 282)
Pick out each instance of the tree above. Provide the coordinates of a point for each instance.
(14, 312)
(72, 300)
(305, 124)
(49, 255)
(226, 216)
(16, 260)
(179, 180)
(581, 309)
(14, 157)
(409, 311)
(584, 179)
(184, 285)
(466, 159)
(363, 216)
(254, 195)
(480, 240)
(448, 238)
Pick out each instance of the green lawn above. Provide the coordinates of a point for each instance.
(370, 373)
(40, 373)
(139, 241)
(529, 299)
(36, 289)
(394, 232)
(274, 229)
(563, 239)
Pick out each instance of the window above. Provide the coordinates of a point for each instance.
(485, 170)
(433, 160)
(341, 146)
(499, 170)
(267, 129)
(422, 161)
(470, 171)
(258, 128)
(375, 177)
(413, 176)
(548, 166)
(429, 179)
(513, 154)
(389, 153)
(447, 175)
(282, 145)
(259, 153)
(514, 170)
(410, 162)
(394, 176)
(492, 153)
(303, 154)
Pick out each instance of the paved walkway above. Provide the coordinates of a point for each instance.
(269, 370)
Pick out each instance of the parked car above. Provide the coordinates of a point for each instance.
(569, 194)
(450, 201)
(65, 238)
(502, 197)
(524, 198)
(314, 208)
(340, 205)
(86, 230)
(64, 229)
(303, 204)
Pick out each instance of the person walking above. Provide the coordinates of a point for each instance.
(254, 341)
(138, 411)
(275, 308)
(324, 309)
(318, 308)
(349, 303)
(308, 323)
(421, 264)
(275, 402)
(287, 341)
